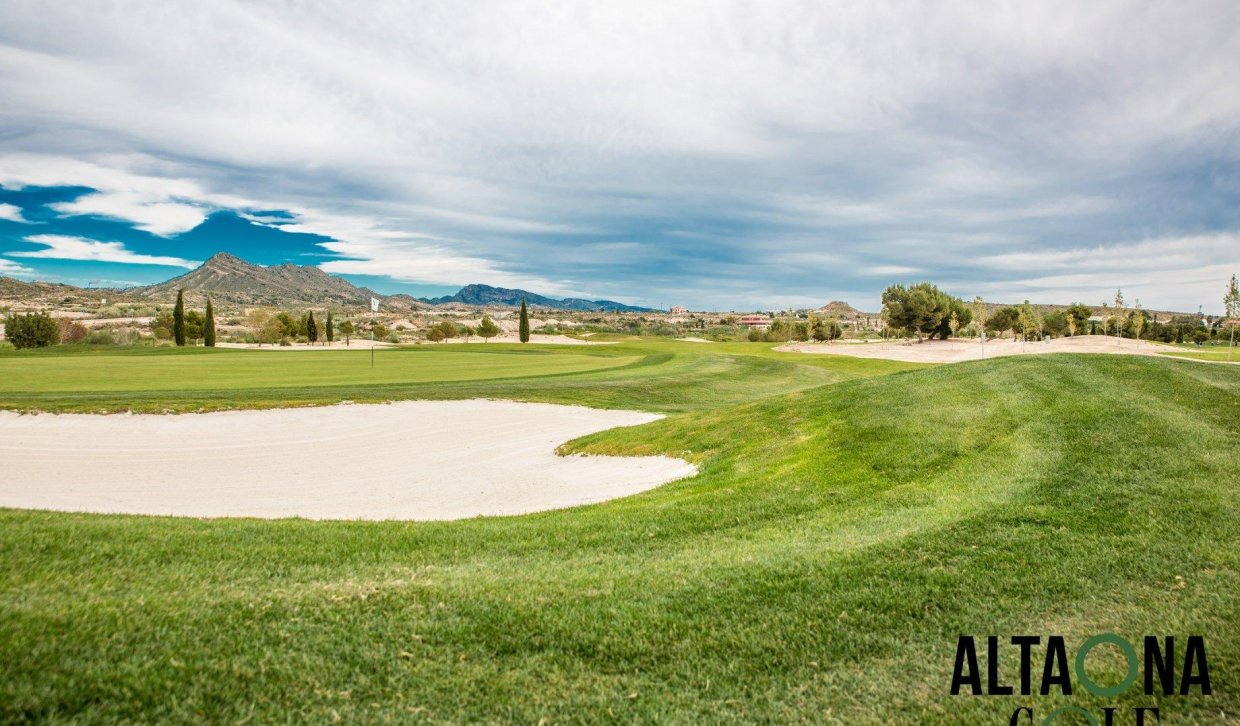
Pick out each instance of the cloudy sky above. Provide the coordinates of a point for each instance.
(723, 155)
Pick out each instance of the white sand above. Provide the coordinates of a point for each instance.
(692, 339)
(411, 460)
(957, 350)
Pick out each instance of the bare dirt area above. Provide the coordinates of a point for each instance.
(456, 459)
(957, 350)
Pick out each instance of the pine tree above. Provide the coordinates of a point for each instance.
(178, 319)
(525, 323)
(312, 330)
(208, 326)
(331, 333)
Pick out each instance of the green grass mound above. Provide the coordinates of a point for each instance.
(820, 568)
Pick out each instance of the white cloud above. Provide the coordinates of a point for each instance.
(12, 269)
(456, 142)
(12, 213)
(63, 247)
(888, 270)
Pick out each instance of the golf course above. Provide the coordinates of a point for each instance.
(849, 519)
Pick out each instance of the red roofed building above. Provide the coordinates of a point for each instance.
(761, 322)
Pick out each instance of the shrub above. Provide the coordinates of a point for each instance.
(70, 330)
(32, 330)
(100, 337)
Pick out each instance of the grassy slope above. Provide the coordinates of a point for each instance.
(837, 540)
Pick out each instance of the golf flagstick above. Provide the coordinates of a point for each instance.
(374, 308)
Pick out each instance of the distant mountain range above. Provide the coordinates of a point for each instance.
(486, 295)
(228, 278)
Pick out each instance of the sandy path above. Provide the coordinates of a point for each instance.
(409, 460)
(957, 350)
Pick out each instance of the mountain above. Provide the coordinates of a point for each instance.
(481, 295)
(231, 279)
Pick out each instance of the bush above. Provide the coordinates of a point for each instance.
(70, 330)
(32, 330)
(100, 337)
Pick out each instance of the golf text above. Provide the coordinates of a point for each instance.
(1169, 667)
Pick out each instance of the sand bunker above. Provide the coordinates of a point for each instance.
(410, 460)
(957, 350)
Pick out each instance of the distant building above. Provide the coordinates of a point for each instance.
(678, 310)
(761, 322)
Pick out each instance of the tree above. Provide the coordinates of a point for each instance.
(954, 323)
(447, 329)
(1027, 321)
(1231, 307)
(32, 330)
(1003, 320)
(923, 308)
(178, 319)
(312, 329)
(290, 326)
(330, 329)
(194, 324)
(1058, 322)
(754, 335)
(272, 331)
(1119, 314)
(487, 328)
(1078, 317)
(208, 326)
(465, 332)
(1138, 321)
(524, 330)
(347, 329)
(978, 308)
(162, 325)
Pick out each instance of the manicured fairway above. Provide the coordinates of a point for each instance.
(658, 375)
(850, 520)
(169, 369)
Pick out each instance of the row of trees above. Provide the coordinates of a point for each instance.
(819, 329)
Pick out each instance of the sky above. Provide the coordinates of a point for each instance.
(717, 155)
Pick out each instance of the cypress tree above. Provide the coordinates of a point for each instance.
(525, 323)
(208, 326)
(178, 319)
(331, 334)
(312, 330)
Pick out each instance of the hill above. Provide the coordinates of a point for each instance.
(232, 279)
(486, 295)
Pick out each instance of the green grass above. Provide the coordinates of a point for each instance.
(659, 375)
(844, 529)
(1212, 353)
